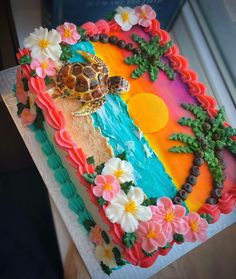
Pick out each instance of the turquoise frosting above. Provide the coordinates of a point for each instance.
(67, 187)
(85, 46)
(115, 123)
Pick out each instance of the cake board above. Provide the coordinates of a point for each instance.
(76, 230)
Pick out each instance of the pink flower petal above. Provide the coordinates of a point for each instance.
(97, 191)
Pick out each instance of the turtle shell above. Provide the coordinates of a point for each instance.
(85, 82)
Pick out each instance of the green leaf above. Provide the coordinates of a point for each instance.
(181, 149)
(33, 73)
(168, 245)
(116, 253)
(20, 108)
(196, 110)
(48, 80)
(25, 84)
(150, 201)
(89, 177)
(178, 237)
(81, 31)
(129, 239)
(149, 254)
(120, 262)
(90, 160)
(25, 59)
(99, 168)
(153, 72)
(101, 201)
(67, 53)
(38, 122)
(122, 156)
(89, 224)
(126, 186)
(184, 121)
(207, 217)
(105, 237)
(106, 269)
(185, 138)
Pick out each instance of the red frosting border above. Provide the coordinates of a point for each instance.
(77, 159)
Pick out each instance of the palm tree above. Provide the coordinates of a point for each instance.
(211, 136)
(148, 57)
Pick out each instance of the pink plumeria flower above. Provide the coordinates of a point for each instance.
(150, 235)
(145, 15)
(107, 186)
(95, 235)
(197, 228)
(43, 68)
(68, 33)
(170, 217)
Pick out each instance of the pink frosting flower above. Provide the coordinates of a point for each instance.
(20, 93)
(145, 15)
(107, 186)
(95, 235)
(27, 116)
(68, 33)
(150, 235)
(90, 28)
(170, 217)
(197, 227)
(43, 68)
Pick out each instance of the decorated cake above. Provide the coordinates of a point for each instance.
(139, 150)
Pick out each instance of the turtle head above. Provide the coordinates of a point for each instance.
(118, 85)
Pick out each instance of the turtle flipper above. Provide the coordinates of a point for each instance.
(93, 59)
(89, 107)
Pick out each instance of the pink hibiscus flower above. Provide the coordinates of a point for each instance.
(68, 33)
(145, 15)
(150, 235)
(107, 187)
(27, 116)
(20, 93)
(170, 217)
(95, 235)
(43, 68)
(197, 227)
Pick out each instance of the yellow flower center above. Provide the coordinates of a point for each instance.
(194, 226)
(151, 234)
(67, 33)
(107, 186)
(107, 253)
(125, 16)
(131, 207)
(43, 43)
(118, 173)
(169, 217)
(143, 14)
(44, 64)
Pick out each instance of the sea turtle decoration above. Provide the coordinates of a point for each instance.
(88, 83)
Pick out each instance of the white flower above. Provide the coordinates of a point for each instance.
(104, 253)
(44, 44)
(121, 169)
(127, 210)
(126, 18)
